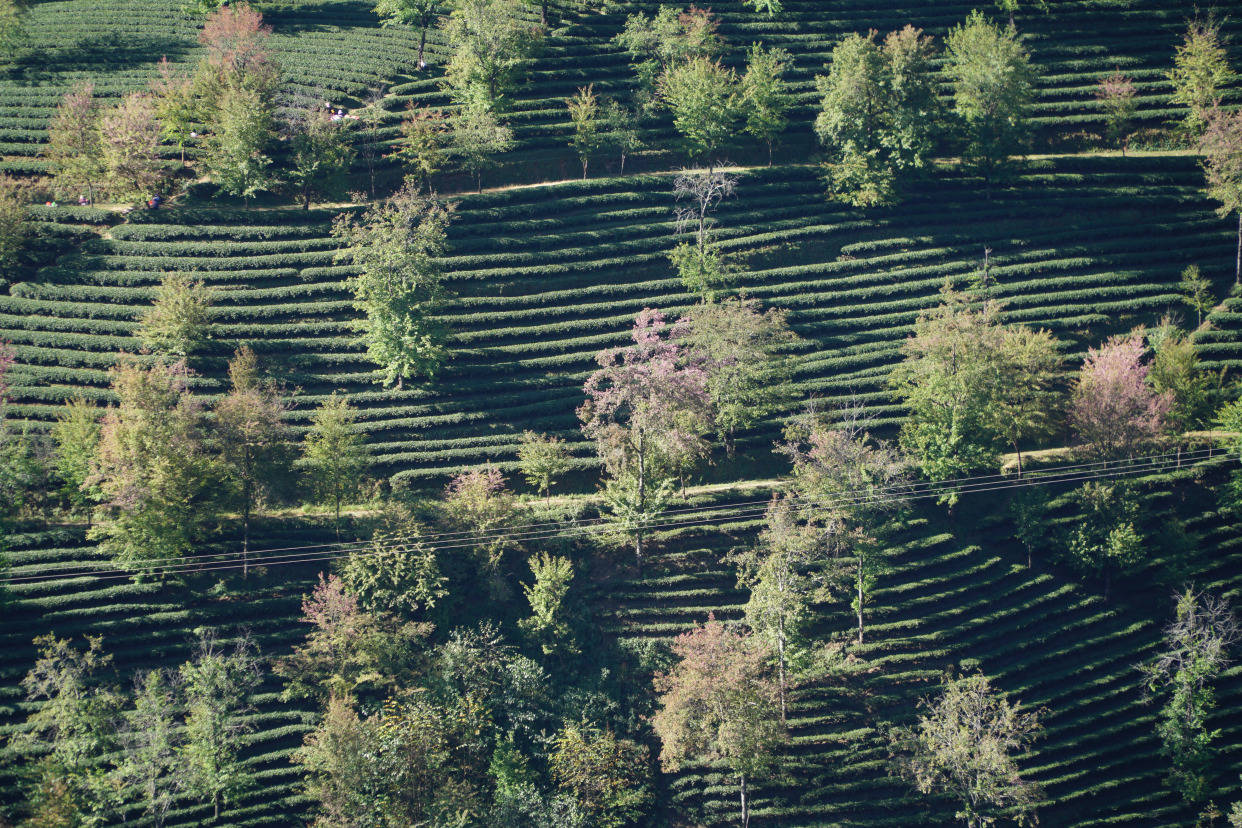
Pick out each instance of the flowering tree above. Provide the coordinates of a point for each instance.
(1114, 410)
(647, 409)
(237, 49)
(719, 703)
(129, 139)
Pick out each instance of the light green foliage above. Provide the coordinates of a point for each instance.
(13, 35)
(666, 39)
(14, 227)
(877, 112)
(993, 86)
(76, 435)
(620, 131)
(488, 41)
(151, 740)
(21, 472)
(1221, 147)
(745, 353)
(704, 98)
(333, 454)
(218, 683)
(1197, 648)
(783, 578)
(607, 778)
(769, 7)
(1175, 369)
(548, 623)
(237, 146)
(765, 96)
(254, 441)
(399, 574)
(585, 115)
(703, 270)
(1197, 292)
(398, 243)
(479, 507)
(476, 137)
(74, 727)
(420, 13)
(1012, 7)
(972, 384)
(319, 154)
(965, 744)
(1028, 508)
(178, 323)
(543, 459)
(176, 109)
(1200, 72)
(1106, 540)
(73, 151)
(129, 141)
(634, 499)
(158, 483)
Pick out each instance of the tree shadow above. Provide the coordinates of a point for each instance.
(326, 16)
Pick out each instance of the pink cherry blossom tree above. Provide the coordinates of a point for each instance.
(647, 409)
(1114, 411)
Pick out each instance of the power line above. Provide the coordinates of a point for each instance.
(737, 511)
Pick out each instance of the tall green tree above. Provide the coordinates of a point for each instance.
(1012, 7)
(488, 40)
(73, 151)
(76, 437)
(398, 244)
(254, 441)
(965, 744)
(1200, 72)
(424, 143)
(151, 739)
(1197, 292)
(745, 355)
(720, 704)
(1221, 147)
(877, 113)
(584, 113)
(1197, 645)
(218, 682)
(178, 323)
(420, 13)
(765, 97)
(14, 225)
(543, 459)
(620, 131)
(1107, 539)
(993, 87)
(783, 578)
(237, 148)
(158, 482)
(1176, 371)
(14, 37)
(703, 96)
(72, 729)
(319, 154)
(175, 104)
(333, 454)
(548, 623)
(476, 136)
(665, 39)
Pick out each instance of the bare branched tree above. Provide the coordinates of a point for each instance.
(703, 191)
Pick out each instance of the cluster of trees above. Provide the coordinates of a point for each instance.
(155, 472)
(227, 106)
(101, 752)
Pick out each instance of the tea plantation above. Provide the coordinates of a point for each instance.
(542, 272)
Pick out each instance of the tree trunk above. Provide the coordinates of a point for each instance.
(336, 521)
(422, 44)
(745, 803)
(1108, 581)
(215, 801)
(780, 661)
(306, 198)
(860, 601)
(543, 13)
(1237, 267)
(585, 161)
(478, 181)
(246, 534)
(642, 500)
(622, 164)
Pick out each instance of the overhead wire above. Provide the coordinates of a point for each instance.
(667, 520)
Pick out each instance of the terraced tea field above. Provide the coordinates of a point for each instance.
(548, 276)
